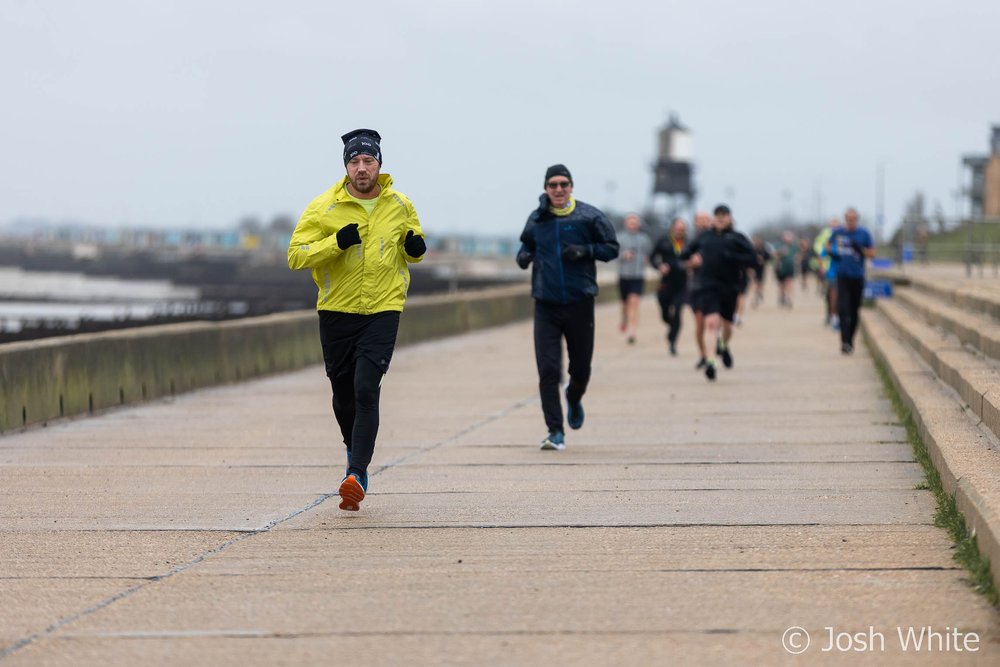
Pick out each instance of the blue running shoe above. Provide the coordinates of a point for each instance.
(554, 441)
(574, 414)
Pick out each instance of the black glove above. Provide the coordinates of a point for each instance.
(414, 244)
(524, 258)
(348, 236)
(573, 253)
(857, 247)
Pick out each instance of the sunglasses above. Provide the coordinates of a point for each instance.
(555, 185)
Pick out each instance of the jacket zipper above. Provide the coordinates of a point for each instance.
(559, 259)
(365, 296)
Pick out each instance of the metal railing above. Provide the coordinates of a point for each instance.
(973, 242)
(974, 256)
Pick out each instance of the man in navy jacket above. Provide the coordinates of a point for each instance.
(561, 241)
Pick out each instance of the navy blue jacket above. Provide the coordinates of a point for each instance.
(545, 236)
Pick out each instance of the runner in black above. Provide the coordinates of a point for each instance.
(723, 255)
(672, 293)
(759, 270)
(702, 224)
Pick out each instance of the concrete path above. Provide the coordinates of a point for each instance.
(686, 523)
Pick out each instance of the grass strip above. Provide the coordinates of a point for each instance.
(947, 515)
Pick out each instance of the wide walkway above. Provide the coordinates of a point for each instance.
(686, 523)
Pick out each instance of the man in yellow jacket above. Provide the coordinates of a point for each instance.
(358, 238)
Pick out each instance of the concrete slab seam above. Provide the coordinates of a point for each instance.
(469, 429)
(63, 622)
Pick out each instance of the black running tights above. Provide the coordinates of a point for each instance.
(553, 322)
(849, 295)
(671, 307)
(355, 403)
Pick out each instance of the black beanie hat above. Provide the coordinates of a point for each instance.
(558, 170)
(362, 142)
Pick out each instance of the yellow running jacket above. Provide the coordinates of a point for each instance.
(370, 277)
(819, 248)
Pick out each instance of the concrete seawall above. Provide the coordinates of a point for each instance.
(73, 375)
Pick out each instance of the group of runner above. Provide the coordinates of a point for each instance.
(359, 237)
(837, 258)
(710, 272)
(713, 272)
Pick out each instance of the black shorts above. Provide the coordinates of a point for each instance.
(347, 337)
(781, 275)
(627, 286)
(721, 301)
(694, 299)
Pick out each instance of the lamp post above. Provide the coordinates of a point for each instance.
(879, 201)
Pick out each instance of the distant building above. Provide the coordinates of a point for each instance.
(984, 190)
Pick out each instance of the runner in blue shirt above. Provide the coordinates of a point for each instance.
(850, 246)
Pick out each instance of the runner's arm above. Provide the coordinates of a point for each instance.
(310, 246)
(526, 253)
(413, 225)
(605, 246)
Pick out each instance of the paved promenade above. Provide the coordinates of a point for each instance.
(686, 523)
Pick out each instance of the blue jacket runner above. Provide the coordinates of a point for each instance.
(555, 279)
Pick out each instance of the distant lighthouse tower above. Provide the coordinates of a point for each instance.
(673, 173)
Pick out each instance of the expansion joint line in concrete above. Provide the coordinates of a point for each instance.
(128, 592)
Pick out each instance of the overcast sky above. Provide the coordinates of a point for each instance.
(195, 114)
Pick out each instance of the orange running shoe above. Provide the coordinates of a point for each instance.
(352, 492)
